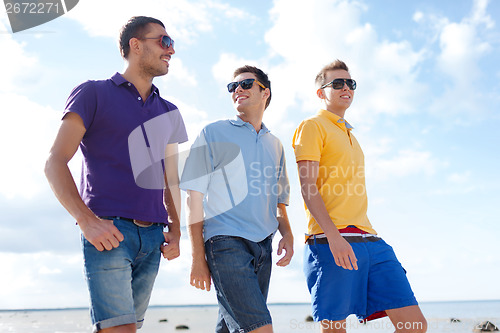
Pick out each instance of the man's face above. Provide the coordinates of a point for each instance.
(249, 99)
(337, 99)
(154, 60)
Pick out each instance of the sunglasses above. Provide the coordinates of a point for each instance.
(245, 84)
(339, 84)
(165, 41)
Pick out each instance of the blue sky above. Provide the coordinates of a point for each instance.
(426, 113)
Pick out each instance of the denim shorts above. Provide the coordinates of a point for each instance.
(241, 270)
(120, 280)
(379, 284)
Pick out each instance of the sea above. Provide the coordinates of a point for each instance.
(442, 317)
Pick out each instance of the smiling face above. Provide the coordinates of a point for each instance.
(336, 100)
(249, 101)
(154, 60)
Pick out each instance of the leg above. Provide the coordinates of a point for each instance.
(129, 328)
(264, 267)
(119, 291)
(264, 329)
(333, 326)
(221, 326)
(408, 319)
(335, 292)
(234, 265)
(145, 269)
(390, 290)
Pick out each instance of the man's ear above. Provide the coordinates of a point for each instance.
(267, 93)
(320, 93)
(134, 45)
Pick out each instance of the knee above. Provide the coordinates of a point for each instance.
(129, 328)
(423, 326)
(415, 326)
(419, 326)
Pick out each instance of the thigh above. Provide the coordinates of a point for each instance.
(336, 292)
(264, 264)
(234, 270)
(145, 268)
(388, 287)
(120, 280)
(334, 326)
(109, 275)
(408, 319)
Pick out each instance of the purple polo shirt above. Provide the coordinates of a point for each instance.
(124, 147)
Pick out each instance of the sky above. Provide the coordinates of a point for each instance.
(426, 112)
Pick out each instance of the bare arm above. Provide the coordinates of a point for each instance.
(286, 242)
(172, 200)
(200, 273)
(101, 233)
(341, 250)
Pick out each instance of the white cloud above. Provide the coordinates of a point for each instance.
(459, 178)
(223, 70)
(54, 280)
(385, 70)
(177, 71)
(184, 20)
(16, 65)
(407, 162)
(230, 12)
(462, 46)
(24, 143)
(418, 16)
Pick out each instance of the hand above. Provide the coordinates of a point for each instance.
(101, 233)
(171, 247)
(342, 253)
(200, 275)
(286, 243)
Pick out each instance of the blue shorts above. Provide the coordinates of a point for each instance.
(379, 284)
(120, 280)
(241, 270)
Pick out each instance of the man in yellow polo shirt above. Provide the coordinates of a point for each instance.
(349, 268)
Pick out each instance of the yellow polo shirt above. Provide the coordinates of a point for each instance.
(327, 139)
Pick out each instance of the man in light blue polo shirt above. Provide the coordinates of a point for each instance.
(237, 186)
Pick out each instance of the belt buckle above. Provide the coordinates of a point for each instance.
(142, 224)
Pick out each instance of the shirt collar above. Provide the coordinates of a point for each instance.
(239, 122)
(337, 120)
(118, 79)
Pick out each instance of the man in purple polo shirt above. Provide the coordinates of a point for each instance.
(128, 135)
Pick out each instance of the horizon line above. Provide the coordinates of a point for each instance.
(215, 304)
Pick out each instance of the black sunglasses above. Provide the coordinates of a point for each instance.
(339, 84)
(245, 84)
(165, 41)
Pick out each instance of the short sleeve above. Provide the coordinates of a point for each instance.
(307, 141)
(198, 167)
(283, 183)
(179, 134)
(83, 101)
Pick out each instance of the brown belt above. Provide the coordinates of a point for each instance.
(139, 223)
(142, 223)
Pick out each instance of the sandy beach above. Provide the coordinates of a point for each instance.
(286, 318)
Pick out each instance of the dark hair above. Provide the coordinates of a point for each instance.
(136, 27)
(259, 74)
(335, 65)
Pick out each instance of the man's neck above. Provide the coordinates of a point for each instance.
(338, 112)
(254, 119)
(141, 82)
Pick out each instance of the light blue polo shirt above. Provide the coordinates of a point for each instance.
(243, 177)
